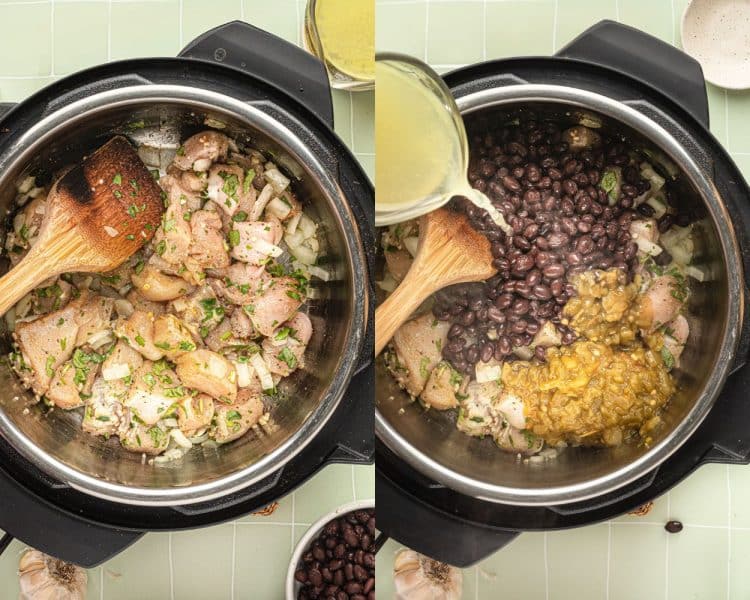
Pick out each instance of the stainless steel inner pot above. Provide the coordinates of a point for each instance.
(429, 441)
(53, 440)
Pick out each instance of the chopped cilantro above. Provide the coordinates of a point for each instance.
(249, 176)
(288, 357)
(234, 238)
(667, 357)
(161, 247)
(139, 340)
(117, 179)
(48, 366)
(187, 346)
(239, 216)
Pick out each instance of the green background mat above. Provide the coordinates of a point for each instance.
(247, 559)
(630, 558)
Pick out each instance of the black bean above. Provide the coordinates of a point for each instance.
(673, 526)
(553, 270)
(486, 353)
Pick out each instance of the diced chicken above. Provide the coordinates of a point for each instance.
(676, 334)
(53, 296)
(234, 420)
(399, 262)
(645, 233)
(69, 383)
(45, 344)
(194, 414)
(144, 439)
(153, 392)
(518, 441)
(240, 283)
(547, 336)
(208, 246)
(199, 311)
(201, 150)
(477, 416)
(93, 318)
(172, 336)
(580, 138)
(441, 387)
(172, 238)
(178, 186)
(122, 362)
(104, 411)
(208, 372)
(275, 302)
(147, 306)
(257, 241)
(226, 187)
(154, 285)
(418, 345)
(242, 326)
(222, 336)
(284, 350)
(661, 302)
(138, 331)
(511, 407)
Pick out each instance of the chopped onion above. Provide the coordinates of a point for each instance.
(244, 374)
(18, 222)
(111, 231)
(169, 456)
(10, 318)
(319, 273)
(180, 438)
(524, 352)
(260, 203)
(23, 306)
(307, 226)
(277, 179)
(696, 273)
(170, 422)
(656, 180)
(149, 155)
(411, 244)
(100, 338)
(199, 439)
(659, 207)
(26, 184)
(291, 227)
(115, 371)
(266, 381)
(266, 248)
(648, 247)
(294, 239)
(304, 254)
(215, 123)
(278, 208)
(202, 164)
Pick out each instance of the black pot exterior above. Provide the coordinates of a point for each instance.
(48, 514)
(614, 61)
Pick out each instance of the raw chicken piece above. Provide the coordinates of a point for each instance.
(547, 336)
(511, 407)
(201, 150)
(63, 390)
(154, 285)
(676, 334)
(399, 262)
(661, 302)
(580, 138)
(199, 311)
(45, 344)
(172, 336)
(177, 185)
(155, 389)
(418, 346)
(284, 350)
(225, 187)
(138, 331)
(104, 410)
(441, 387)
(240, 282)
(122, 362)
(257, 241)
(242, 326)
(234, 420)
(194, 414)
(172, 239)
(222, 336)
(477, 416)
(208, 246)
(147, 306)
(515, 440)
(93, 317)
(275, 302)
(208, 372)
(143, 438)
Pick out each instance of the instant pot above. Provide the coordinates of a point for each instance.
(82, 498)
(459, 499)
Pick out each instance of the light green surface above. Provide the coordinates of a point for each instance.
(630, 558)
(43, 41)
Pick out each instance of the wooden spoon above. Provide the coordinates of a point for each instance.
(450, 251)
(99, 213)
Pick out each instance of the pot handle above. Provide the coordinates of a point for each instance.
(433, 533)
(240, 45)
(647, 59)
(354, 442)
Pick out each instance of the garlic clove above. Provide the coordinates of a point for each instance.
(417, 577)
(42, 577)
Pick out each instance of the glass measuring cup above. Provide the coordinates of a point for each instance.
(421, 146)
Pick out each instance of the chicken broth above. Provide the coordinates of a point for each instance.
(575, 338)
(187, 341)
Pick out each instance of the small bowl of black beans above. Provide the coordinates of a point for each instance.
(336, 556)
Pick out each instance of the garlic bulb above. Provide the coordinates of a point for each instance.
(418, 577)
(43, 577)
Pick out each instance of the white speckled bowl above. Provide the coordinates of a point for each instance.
(292, 585)
(716, 33)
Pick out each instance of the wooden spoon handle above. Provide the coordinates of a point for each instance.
(398, 307)
(24, 277)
